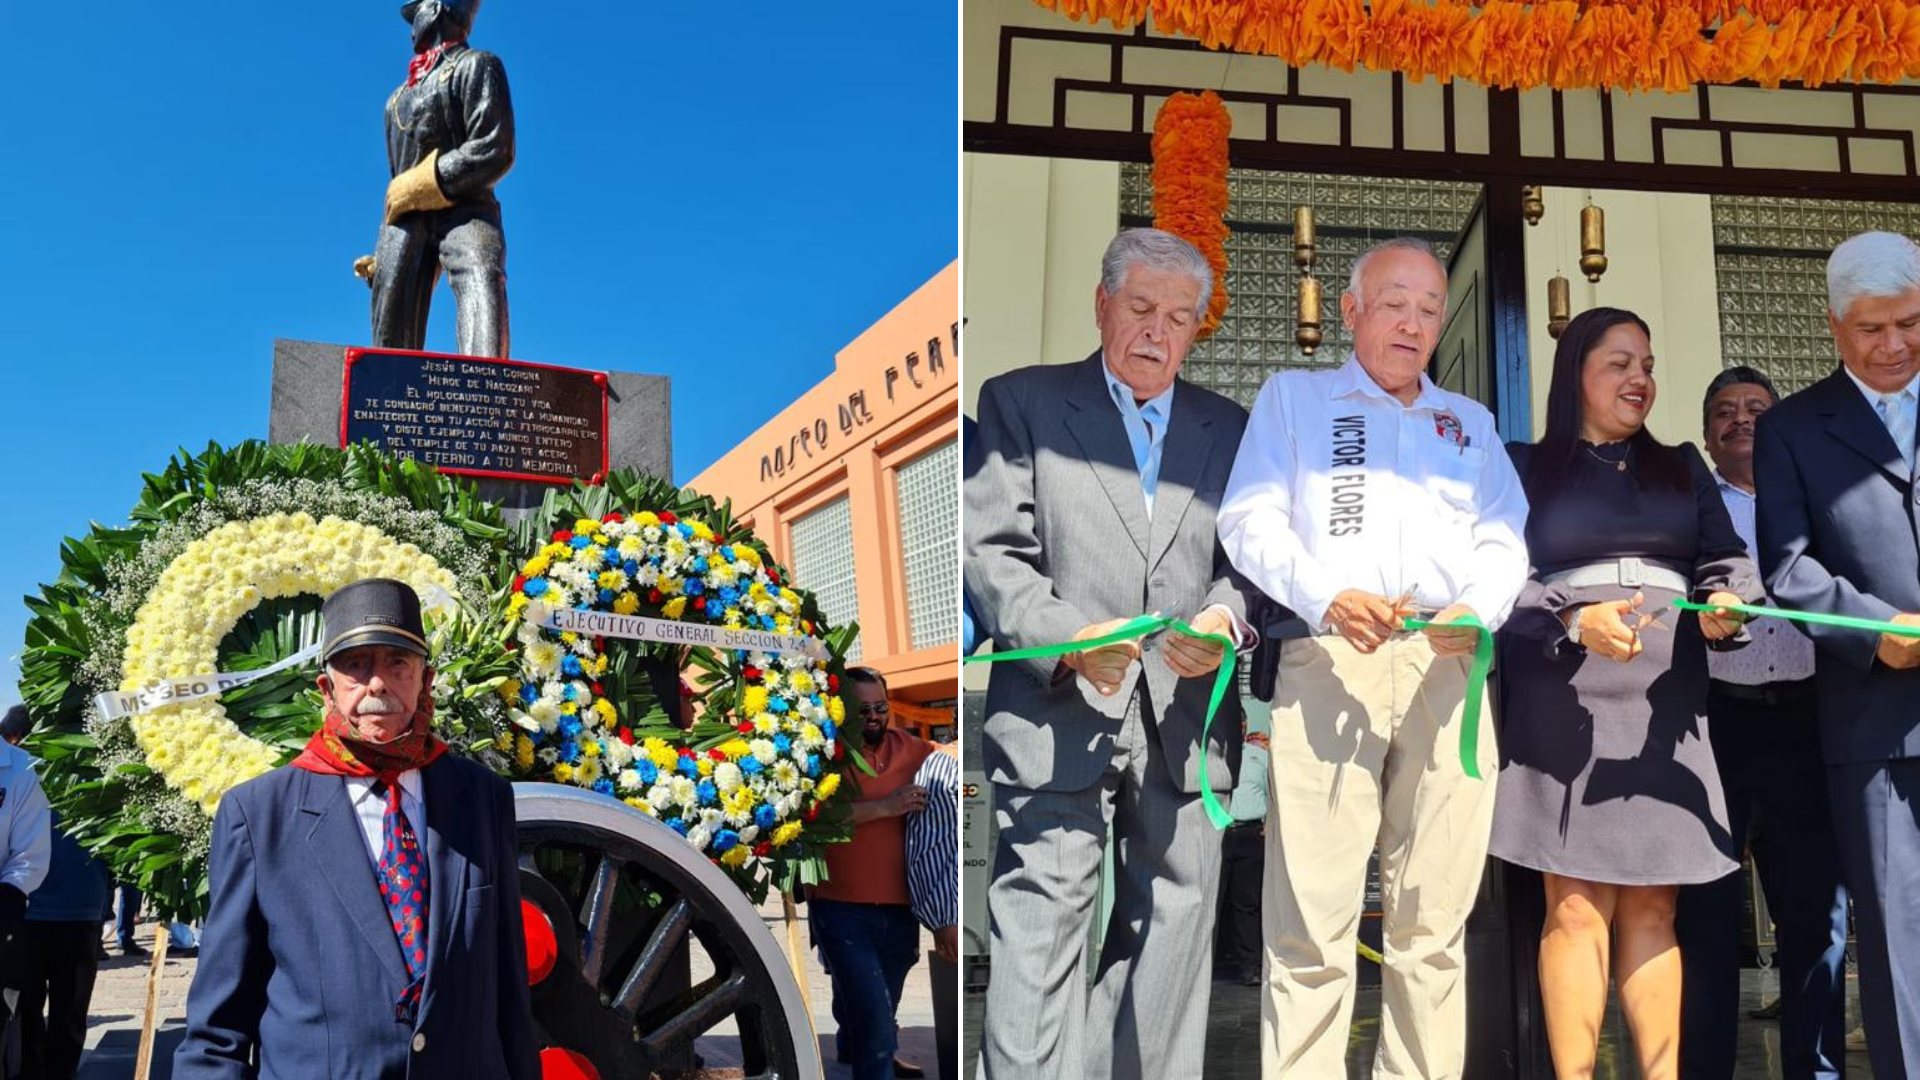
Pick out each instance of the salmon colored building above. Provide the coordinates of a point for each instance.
(856, 488)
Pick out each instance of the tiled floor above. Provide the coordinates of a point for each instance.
(1233, 1052)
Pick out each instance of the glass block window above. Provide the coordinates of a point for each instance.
(823, 563)
(927, 490)
(1770, 255)
(1255, 338)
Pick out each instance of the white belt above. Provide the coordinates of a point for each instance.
(1629, 573)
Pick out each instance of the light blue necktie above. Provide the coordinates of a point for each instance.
(1899, 420)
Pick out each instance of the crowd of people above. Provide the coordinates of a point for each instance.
(1365, 527)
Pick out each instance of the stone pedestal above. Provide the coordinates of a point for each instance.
(308, 377)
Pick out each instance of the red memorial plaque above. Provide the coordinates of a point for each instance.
(478, 417)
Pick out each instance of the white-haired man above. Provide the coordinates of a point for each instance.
(1362, 495)
(1094, 502)
(1838, 511)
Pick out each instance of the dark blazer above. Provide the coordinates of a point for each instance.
(299, 967)
(1839, 531)
(1058, 537)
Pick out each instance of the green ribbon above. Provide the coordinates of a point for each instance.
(1851, 622)
(1138, 627)
(1476, 687)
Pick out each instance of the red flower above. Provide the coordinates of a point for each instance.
(716, 755)
(653, 596)
(762, 848)
(813, 811)
(750, 673)
(667, 518)
(596, 689)
(599, 644)
(613, 517)
(519, 580)
(562, 536)
(838, 749)
(833, 684)
(773, 575)
(686, 751)
(626, 736)
(744, 727)
(699, 603)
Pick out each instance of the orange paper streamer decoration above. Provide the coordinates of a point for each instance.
(1190, 184)
(1563, 44)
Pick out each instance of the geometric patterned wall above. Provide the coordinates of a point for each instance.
(1771, 258)
(823, 563)
(928, 492)
(1350, 213)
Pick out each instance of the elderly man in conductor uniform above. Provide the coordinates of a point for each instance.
(1361, 495)
(1095, 502)
(365, 909)
(1839, 510)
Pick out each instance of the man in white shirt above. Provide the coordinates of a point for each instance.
(26, 846)
(1836, 528)
(1363, 495)
(1766, 745)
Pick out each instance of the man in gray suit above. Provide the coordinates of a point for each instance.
(1095, 502)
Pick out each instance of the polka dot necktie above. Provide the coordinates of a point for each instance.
(403, 885)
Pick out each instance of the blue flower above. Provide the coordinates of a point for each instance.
(688, 768)
(649, 772)
(694, 587)
(813, 765)
(725, 839)
(569, 694)
(536, 736)
(726, 552)
(630, 567)
(686, 530)
(528, 694)
(579, 542)
(678, 825)
(827, 728)
(606, 596)
(782, 743)
(764, 816)
(707, 791)
(700, 565)
(611, 558)
(750, 765)
(534, 586)
(570, 753)
(604, 787)
(777, 704)
(570, 665)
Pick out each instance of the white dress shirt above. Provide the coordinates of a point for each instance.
(1778, 653)
(371, 809)
(1899, 415)
(26, 844)
(1338, 486)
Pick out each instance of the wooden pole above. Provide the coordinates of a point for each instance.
(144, 1062)
(794, 954)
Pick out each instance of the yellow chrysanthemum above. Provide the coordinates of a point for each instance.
(523, 753)
(537, 565)
(705, 765)
(590, 748)
(556, 551)
(643, 806)
(735, 856)
(735, 749)
(516, 602)
(836, 710)
(828, 784)
(585, 527)
(786, 834)
(645, 518)
(510, 689)
(626, 603)
(674, 608)
(701, 531)
(800, 682)
(754, 700)
(606, 711)
(563, 772)
(570, 708)
(664, 758)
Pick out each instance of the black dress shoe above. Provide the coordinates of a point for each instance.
(132, 948)
(907, 1070)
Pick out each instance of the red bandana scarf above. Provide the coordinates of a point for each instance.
(335, 750)
(418, 67)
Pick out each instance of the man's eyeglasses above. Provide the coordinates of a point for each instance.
(880, 709)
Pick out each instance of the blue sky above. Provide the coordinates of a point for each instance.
(722, 194)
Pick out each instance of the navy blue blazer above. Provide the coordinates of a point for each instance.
(1839, 531)
(299, 967)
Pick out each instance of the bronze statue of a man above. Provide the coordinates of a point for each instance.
(449, 140)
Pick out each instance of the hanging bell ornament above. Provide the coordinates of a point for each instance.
(1533, 205)
(1303, 244)
(1593, 242)
(1308, 334)
(1559, 306)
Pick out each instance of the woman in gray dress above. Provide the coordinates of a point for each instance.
(1608, 784)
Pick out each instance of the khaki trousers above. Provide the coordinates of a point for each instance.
(1366, 750)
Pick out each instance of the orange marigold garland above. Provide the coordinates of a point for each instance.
(1190, 183)
(1563, 44)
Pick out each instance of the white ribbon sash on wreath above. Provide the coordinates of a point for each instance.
(667, 631)
(114, 706)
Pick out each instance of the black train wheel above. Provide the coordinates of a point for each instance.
(613, 901)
